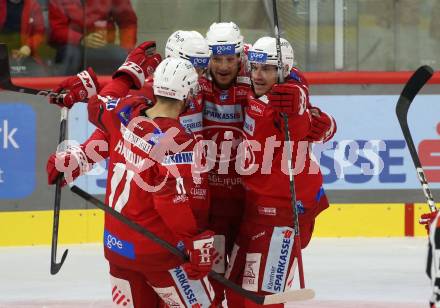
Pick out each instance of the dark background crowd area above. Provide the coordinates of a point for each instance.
(62, 37)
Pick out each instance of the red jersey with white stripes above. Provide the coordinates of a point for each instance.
(265, 125)
(223, 115)
(150, 180)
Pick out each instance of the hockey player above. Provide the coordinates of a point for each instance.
(152, 172)
(188, 45)
(224, 96)
(140, 63)
(263, 254)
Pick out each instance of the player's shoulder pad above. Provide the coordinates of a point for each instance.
(130, 107)
(298, 76)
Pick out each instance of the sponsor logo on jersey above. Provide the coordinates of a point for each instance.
(135, 140)
(192, 291)
(123, 248)
(192, 122)
(199, 61)
(199, 193)
(224, 95)
(256, 56)
(227, 182)
(227, 49)
(129, 156)
(267, 211)
(178, 159)
(170, 297)
(251, 272)
(258, 235)
(277, 263)
(223, 113)
(256, 109)
(249, 125)
(180, 199)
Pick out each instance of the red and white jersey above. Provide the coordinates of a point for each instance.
(191, 119)
(297, 77)
(264, 125)
(223, 115)
(150, 180)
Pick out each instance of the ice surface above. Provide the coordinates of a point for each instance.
(354, 272)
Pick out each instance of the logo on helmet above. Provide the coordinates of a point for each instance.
(199, 61)
(228, 49)
(255, 56)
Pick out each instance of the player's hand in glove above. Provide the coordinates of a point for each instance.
(70, 163)
(77, 88)
(288, 98)
(200, 250)
(140, 63)
(427, 219)
(323, 126)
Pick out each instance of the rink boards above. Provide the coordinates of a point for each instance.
(340, 220)
(363, 204)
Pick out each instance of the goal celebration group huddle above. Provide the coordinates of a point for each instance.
(198, 156)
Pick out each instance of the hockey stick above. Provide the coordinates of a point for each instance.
(409, 92)
(288, 296)
(6, 84)
(297, 237)
(5, 77)
(54, 266)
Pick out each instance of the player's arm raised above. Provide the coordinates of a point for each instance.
(140, 64)
(291, 99)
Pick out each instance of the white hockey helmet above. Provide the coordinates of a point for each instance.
(175, 78)
(224, 38)
(189, 45)
(264, 51)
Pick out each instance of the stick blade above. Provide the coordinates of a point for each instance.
(412, 87)
(289, 296)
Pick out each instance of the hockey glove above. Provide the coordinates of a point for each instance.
(71, 163)
(200, 250)
(78, 88)
(288, 98)
(427, 219)
(323, 126)
(140, 63)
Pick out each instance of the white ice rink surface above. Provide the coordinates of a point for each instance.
(359, 272)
